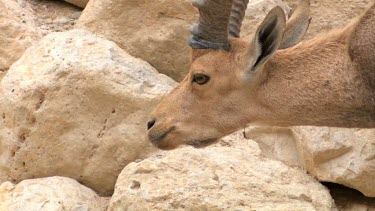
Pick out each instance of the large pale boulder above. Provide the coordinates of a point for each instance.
(344, 156)
(217, 178)
(157, 30)
(17, 32)
(76, 105)
(154, 30)
(338, 155)
(46, 194)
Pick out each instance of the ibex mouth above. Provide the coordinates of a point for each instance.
(201, 144)
(158, 137)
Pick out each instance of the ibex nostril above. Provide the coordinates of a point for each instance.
(150, 124)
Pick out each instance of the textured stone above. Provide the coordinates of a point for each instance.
(338, 155)
(79, 3)
(157, 30)
(277, 143)
(6, 147)
(76, 105)
(217, 178)
(17, 32)
(343, 156)
(46, 194)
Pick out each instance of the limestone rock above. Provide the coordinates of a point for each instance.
(343, 156)
(79, 3)
(216, 178)
(76, 105)
(52, 193)
(277, 143)
(6, 147)
(17, 33)
(157, 30)
(338, 155)
(7, 151)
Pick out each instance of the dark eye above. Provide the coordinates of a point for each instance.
(200, 79)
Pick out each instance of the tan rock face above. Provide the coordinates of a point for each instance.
(343, 156)
(23, 23)
(277, 143)
(6, 147)
(76, 105)
(52, 193)
(17, 33)
(338, 155)
(216, 178)
(79, 3)
(7, 150)
(155, 30)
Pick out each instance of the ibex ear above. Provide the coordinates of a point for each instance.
(267, 38)
(297, 25)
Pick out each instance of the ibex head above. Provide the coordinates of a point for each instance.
(219, 94)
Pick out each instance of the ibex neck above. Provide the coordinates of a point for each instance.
(316, 83)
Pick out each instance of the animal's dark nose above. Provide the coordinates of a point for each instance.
(150, 124)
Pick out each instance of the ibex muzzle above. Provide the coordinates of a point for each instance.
(232, 82)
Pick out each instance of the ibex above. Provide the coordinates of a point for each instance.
(271, 79)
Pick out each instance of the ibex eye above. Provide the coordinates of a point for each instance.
(201, 79)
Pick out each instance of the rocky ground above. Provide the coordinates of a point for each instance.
(53, 16)
(24, 22)
(76, 89)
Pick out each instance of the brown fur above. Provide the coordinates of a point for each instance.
(327, 81)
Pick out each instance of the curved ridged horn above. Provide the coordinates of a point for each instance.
(212, 30)
(236, 17)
